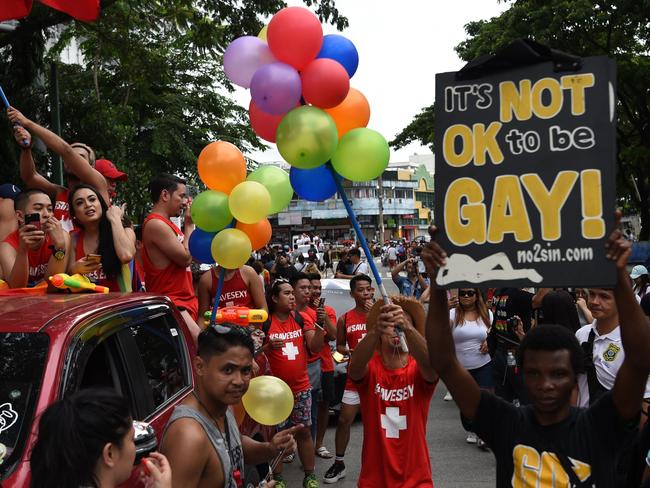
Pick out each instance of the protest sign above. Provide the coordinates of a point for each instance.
(525, 175)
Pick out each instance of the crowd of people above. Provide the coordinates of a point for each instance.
(515, 361)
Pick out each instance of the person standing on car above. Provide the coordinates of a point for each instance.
(242, 287)
(202, 440)
(166, 256)
(350, 329)
(395, 388)
(38, 248)
(87, 440)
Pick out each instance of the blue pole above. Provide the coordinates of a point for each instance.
(6, 104)
(364, 246)
(217, 296)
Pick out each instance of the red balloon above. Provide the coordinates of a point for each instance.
(262, 123)
(325, 83)
(295, 36)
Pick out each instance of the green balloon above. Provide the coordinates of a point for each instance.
(277, 183)
(306, 137)
(210, 211)
(362, 155)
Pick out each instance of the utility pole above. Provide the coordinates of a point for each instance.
(380, 197)
(56, 119)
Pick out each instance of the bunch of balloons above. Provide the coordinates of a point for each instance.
(301, 99)
(231, 215)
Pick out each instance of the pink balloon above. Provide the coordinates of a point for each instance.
(325, 83)
(262, 123)
(295, 36)
(243, 57)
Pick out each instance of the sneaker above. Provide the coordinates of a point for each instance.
(480, 443)
(310, 481)
(289, 458)
(471, 438)
(279, 482)
(448, 397)
(335, 473)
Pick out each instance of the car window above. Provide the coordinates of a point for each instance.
(159, 342)
(22, 362)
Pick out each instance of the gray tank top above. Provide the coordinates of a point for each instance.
(236, 452)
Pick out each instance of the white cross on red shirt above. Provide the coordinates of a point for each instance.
(290, 350)
(392, 422)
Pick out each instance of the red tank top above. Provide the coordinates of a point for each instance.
(98, 277)
(38, 258)
(173, 281)
(62, 210)
(234, 292)
(355, 327)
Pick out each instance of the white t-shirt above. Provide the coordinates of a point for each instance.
(608, 358)
(361, 268)
(392, 253)
(468, 338)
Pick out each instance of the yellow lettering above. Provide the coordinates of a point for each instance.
(508, 213)
(485, 141)
(513, 100)
(526, 467)
(550, 203)
(593, 225)
(449, 145)
(577, 85)
(465, 224)
(555, 104)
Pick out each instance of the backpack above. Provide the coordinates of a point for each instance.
(266, 326)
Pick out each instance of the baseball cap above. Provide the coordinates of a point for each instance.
(108, 170)
(9, 191)
(637, 271)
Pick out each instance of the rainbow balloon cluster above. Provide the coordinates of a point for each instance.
(301, 99)
(231, 215)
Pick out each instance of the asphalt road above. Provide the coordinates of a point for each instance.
(454, 463)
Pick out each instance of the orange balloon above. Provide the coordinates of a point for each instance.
(238, 412)
(351, 113)
(221, 166)
(259, 233)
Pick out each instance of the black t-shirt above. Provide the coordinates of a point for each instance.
(591, 437)
(508, 303)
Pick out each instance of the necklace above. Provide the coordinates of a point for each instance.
(236, 473)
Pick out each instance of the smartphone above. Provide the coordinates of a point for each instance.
(33, 219)
(321, 303)
(94, 257)
(421, 268)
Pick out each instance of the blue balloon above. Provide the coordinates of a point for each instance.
(341, 49)
(200, 246)
(316, 184)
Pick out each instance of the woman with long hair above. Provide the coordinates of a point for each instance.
(102, 244)
(470, 321)
(86, 440)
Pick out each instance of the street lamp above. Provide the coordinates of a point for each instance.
(380, 196)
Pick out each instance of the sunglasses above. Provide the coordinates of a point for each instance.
(466, 293)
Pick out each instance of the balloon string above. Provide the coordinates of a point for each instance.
(364, 245)
(217, 296)
(274, 464)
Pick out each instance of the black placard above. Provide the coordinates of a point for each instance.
(525, 176)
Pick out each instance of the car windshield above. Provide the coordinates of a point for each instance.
(22, 361)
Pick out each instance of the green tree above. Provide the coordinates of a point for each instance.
(150, 91)
(615, 28)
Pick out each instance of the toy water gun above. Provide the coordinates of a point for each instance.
(76, 283)
(238, 315)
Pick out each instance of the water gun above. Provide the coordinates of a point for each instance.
(238, 315)
(76, 283)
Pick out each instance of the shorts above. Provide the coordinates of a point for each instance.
(314, 371)
(301, 413)
(351, 397)
(327, 392)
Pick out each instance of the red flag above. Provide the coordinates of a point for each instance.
(14, 9)
(85, 10)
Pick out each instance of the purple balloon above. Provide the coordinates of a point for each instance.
(243, 57)
(276, 88)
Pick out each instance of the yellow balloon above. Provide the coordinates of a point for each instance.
(262, 34)
(268, 401)
(231, 248)
(249, 202)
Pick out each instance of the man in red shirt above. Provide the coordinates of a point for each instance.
(326, 315)
(287, 347)
(37, 249)
(350, 329)
(395, 388)
(165, 256)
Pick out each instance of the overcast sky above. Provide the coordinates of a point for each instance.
(402, 45)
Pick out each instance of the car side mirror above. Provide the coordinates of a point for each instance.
(144, 437)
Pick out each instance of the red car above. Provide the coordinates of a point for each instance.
(54, 345)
